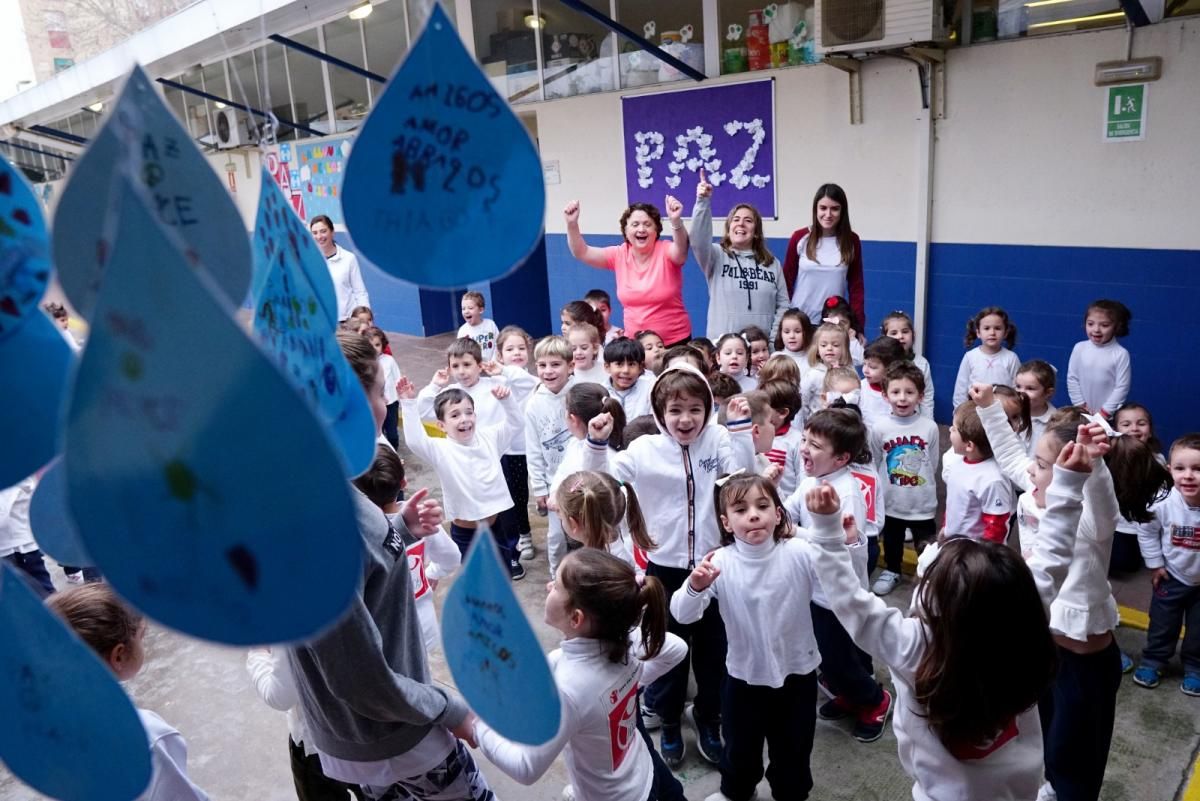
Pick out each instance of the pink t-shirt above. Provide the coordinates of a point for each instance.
(651, 294)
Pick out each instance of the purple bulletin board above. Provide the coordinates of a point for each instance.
(729, 131)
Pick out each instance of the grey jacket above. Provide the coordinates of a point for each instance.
(740, 291)
(364, 684)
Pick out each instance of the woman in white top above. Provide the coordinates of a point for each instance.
(347, 279)
(825, 259)
(597, 602)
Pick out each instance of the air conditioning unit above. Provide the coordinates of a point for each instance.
(230, 131)
(864, 26)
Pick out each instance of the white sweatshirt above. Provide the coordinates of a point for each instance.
(430, 559)
(1037, 427)
(487, 408)
(785, 452)
(675, 483)
(927, 399)
(168, 758)
(1172, 539)
(275, 685)
(764, 591)
(852, 503)
(522, 383)
(1098, 376)
(473, 486)
(546, 435)
(596, 374)
(391, 374)
(607, 758)
(1085, 604)
(634, 401)
(485, 334)
(873, 403)
(1011, 767)
(906, 450)
(812, 384)
(15, 534)
(977, 366)
(973, 490)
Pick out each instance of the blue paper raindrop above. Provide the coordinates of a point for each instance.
(69, 730)
(51, 522)
(443, 186)
(492, 651)
(295, 318)
(142, 137)
(202, 486)
(24, 250)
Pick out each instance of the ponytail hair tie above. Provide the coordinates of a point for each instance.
(831, 301)
(576, 486)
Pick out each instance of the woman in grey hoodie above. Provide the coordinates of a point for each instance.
(745, 282)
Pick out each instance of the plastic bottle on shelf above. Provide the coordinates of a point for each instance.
(758, 42)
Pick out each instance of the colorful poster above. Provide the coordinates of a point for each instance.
(309, 173)
(202, 486)
(728, 131)
(445, 186)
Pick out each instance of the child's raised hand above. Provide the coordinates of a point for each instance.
(492, 368)
(674, 208)
(704, 574)
(405, 388)
(773, 473)
(1094, 439)
(822, 500)
(738, 408)
(704, 188)
(422, 514)
(441, 378)
(850, 527)
(982, 394)
(600, 427)
(1075, 457)
(465, 731)
(571, 212)
(617, 332)
(500, 392)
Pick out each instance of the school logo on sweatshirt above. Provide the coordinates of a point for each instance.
(416, 569)
(907, 458)
(1184, 537)
(622, 719)
(868, 486)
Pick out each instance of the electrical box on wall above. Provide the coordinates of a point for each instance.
(864, 26)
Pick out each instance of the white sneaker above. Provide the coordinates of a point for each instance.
(650, 719)
(1046, 793)
(568, 793)
(719, 796)
(908, 535)
(886, 582)
(75, 578)
(525, 547)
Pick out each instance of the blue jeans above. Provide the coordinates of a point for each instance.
(34, 568)
(463, 537)
(1170, 605)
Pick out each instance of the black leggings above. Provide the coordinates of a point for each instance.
(516, 475)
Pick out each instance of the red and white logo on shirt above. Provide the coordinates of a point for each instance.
(622, 721)
(868, 486)
(416, 568)
(1185, 537)
(640, 558)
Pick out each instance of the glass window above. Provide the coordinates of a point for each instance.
(175, 101)
(750, 40)
(243, 79)
(386, 39)
(505, 46)
(676, 26)
(308, 85)
(418, 10)
(343, 39)
(1010, 18)
(197, 108)
(577, 51)
(279, 97)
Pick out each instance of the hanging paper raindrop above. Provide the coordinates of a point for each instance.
(35, 359)
(295, 318)
(492, 651)
(69, 730)
(201, 484)
(142, 137)
(444, 186)
(51, 522)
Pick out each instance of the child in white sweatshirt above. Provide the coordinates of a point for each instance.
(467, 462)
(546, 434)
(624, 361)
(991, 362)
(512, 353)
(596, 602)
(1099, 374)
(899, 326)
(1171, 548)
(764, 579)
(465, 370)
(674, 474)
(980, 665)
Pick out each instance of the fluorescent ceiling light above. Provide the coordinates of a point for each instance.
(362, 10)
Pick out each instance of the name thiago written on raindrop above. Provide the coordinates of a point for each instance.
(429, 152)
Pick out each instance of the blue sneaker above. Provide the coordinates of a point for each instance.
(1191, 684)
(1146, 676)
(708, 736)
(670, 744)
(1126, 663)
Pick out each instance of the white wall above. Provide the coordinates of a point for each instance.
(1020, 156)
(248, 181)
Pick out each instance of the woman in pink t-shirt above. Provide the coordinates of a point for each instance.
(649, 270)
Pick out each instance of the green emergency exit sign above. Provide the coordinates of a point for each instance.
(1125, 113)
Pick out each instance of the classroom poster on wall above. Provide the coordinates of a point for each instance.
(728, 131)
(309, 173)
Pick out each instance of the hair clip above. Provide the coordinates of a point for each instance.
(851, 397)
(720, 482)
(1098, 419)
(831, 301)
(577, 486)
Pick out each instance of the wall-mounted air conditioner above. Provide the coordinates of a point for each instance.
(230, 131)
(864, 26)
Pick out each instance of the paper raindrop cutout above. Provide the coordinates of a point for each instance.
(142, 137)
(69, 730)
(51, 522)
(493, 654)
(202, 487)
(443, 166)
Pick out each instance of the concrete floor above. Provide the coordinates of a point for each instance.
(237, 745)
